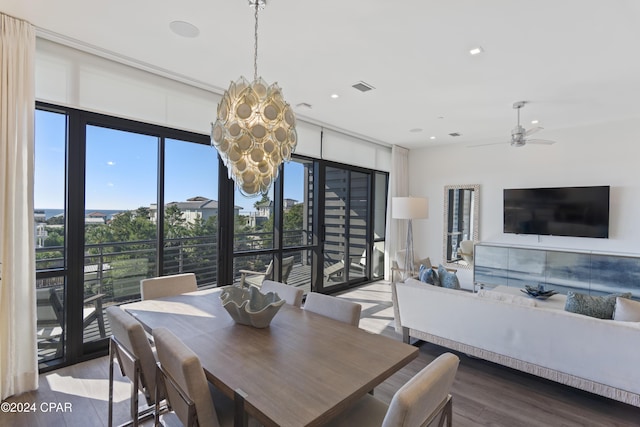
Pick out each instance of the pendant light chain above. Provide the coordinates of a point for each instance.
(255, 45)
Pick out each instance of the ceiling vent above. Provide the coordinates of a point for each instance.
(363, 87)
(455, 134)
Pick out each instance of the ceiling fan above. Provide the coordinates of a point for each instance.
(519, 135)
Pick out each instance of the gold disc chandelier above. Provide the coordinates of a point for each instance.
(254, 130)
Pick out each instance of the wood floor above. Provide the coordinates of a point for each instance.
(484, 394)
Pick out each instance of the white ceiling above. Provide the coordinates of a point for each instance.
(575, 61)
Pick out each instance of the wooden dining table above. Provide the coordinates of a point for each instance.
(302, 370)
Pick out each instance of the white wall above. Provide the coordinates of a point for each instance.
(600, 154)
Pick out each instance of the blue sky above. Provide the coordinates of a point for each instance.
(121, 169)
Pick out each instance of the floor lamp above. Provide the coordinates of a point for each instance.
(409, 208)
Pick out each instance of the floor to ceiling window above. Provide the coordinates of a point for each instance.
(49, 219)
(191, 210)
(118, 201)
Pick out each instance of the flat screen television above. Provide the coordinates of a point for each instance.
(560, 211)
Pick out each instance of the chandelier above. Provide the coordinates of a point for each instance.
(254, 130)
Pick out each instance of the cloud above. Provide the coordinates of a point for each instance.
(109, 184)
(110, 163)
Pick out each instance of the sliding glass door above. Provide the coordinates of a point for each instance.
(347, 211)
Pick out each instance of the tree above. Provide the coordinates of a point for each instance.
(55, 237)
(265, 198)
(174, 223)
(56, 220)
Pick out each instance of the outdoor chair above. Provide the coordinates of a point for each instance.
(248, 277)
(50, 320)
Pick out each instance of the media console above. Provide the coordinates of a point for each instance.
(563, 270)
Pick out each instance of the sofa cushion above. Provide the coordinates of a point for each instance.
(428, 275)
(601, 307)
(627, 310)
(511, 299)
(447, 278)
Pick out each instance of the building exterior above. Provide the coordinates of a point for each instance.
(193, 208)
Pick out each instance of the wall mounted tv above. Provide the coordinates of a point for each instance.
(560, 211)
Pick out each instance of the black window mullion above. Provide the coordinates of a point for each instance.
(74, 241)
(160, 209)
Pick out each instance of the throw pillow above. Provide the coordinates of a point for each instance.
(447, 278)
(427, 275)
(601, 307)
(627, 310)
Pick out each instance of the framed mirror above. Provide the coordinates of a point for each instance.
(461, 215)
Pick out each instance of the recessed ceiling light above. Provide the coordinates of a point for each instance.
(476, 51)
(534, 122)
(184, 29)
(432, 137)
(415, 130)
(335, 95)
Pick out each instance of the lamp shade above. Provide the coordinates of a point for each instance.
(409, 208)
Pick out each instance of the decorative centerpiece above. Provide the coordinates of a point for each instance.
(249, 306)
(538, 291)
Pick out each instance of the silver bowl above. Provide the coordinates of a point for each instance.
(249, 306)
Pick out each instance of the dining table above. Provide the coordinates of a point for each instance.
(301, 370)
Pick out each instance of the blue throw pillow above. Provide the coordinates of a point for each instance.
(601, 307)
(447, 278)
(427, 275)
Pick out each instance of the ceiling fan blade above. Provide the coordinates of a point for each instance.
(533, 130)
(485, 145)
(540, 141)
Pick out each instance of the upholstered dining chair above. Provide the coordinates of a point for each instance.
(422, 400)
(192, 401)
(290, 294)
(130, 346)
(333, 307)
(166, 286)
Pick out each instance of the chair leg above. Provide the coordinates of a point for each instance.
(447, 414)
(111, 351)
(100, 318)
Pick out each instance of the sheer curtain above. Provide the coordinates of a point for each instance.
(396, 230)
(18, 348)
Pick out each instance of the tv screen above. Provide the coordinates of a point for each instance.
(562, 211)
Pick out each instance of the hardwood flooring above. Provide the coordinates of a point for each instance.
(484, 394)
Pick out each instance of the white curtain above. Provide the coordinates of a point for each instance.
(396, 230)
(18, 347)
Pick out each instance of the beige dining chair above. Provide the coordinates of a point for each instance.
(333, 307)
(166, 286)
(290, 294)
(130, 346)
(423, 399)
(190, 397)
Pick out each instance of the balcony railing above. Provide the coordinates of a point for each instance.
(115, 269)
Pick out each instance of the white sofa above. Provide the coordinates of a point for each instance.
(599, 356)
